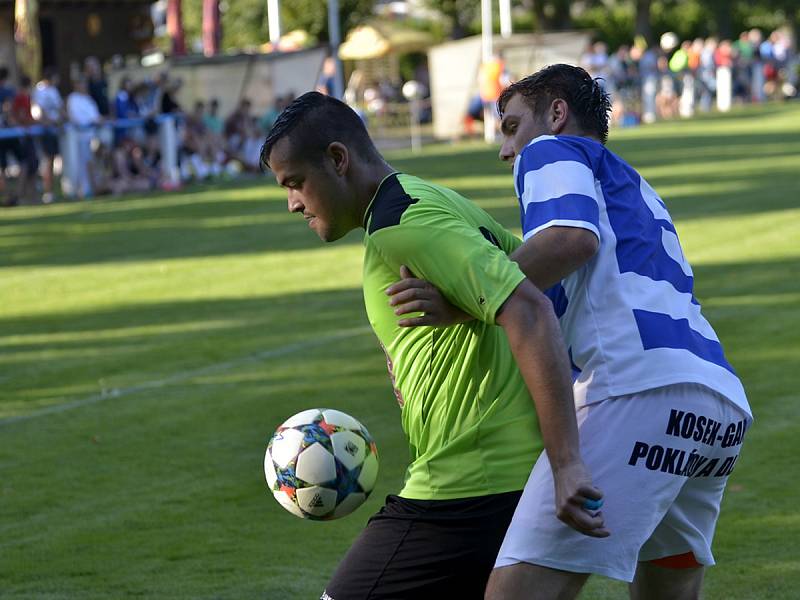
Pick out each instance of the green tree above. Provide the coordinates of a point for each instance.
(312, 15)
(462, 16)
(244, 22)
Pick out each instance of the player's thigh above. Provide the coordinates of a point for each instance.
(524, 581)
(653, 582)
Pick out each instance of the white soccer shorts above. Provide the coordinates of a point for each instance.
(662, 458)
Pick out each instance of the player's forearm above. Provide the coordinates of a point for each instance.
(552, 254)
(535, 339)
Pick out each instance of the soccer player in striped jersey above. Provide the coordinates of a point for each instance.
(661, 412)
(464, 391)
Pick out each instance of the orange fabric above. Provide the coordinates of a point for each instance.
(678, 561)
(489, 84)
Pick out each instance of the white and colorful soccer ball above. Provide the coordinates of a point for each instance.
(321, 464)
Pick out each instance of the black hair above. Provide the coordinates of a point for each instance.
(313, 122)
(3, 72)
(586, 99)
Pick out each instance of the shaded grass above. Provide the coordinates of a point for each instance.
(183, 326)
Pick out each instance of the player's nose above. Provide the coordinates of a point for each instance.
(294, 203)
(506, 152)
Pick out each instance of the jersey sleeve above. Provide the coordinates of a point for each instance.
(555, 185)
(459, 259)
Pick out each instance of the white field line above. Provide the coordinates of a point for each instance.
(188, 374)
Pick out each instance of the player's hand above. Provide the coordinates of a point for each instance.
(410, 295)
(573, 487)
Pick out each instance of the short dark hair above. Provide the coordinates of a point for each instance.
(313, 122)
(585, 96)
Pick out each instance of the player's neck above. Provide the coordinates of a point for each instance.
(372, 177)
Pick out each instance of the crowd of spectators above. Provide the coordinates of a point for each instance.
(680, 78)
(118, 148)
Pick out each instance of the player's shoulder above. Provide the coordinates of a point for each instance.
(550, 149)
(391, 201)
(399, 196)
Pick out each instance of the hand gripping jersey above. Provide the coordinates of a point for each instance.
(629, 316)
(470, 422)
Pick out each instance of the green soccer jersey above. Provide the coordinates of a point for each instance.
(470, 422)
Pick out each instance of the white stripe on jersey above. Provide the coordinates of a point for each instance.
(558, 179)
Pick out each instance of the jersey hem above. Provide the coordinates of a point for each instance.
(455, 495)
(562, 223)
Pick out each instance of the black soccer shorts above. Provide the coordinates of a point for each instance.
(425, 549)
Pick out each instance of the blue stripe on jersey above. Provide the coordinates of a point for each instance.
(658, 330)
(639, 248)
(558, 296)
(570, 207)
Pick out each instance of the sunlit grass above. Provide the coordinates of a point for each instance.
(149, 346)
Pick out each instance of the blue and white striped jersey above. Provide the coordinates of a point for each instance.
(629, 316)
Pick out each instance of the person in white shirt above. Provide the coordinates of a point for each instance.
(48, 109)
(661, 413)
(83, 113)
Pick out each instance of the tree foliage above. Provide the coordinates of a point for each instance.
(244, 22)
(461, 16)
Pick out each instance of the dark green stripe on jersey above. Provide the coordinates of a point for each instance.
(389, 204)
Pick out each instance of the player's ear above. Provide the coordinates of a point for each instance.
(340, 156)
(559, 113)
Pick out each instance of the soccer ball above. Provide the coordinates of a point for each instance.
(321, 464)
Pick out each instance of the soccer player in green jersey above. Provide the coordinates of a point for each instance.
(464, 391)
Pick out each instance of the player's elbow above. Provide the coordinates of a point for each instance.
(582, 244)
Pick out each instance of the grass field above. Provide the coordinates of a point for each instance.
(150, 345)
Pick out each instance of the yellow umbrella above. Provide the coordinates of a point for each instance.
(375, 40)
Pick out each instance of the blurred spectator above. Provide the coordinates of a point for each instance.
(169, 89)
(48, 108)
(648, 72)
(125, 107)
(325, 83)
(251, 147)
(595, 61)
(666, 96)
(198, 144)
(8, 145)
(147, 95)
(271, 115)
(237, 127)
(492, 78)
(707, 74)
(97, 85)
(22, 116)
(130, 174)
(212, 120)
(7, 91)
(83, 114)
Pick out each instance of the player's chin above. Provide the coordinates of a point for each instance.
(328, 235)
